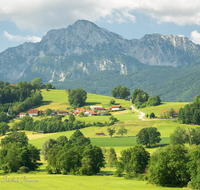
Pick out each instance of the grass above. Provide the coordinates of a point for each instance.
(58, 100)
(70, 182)
(164, 106)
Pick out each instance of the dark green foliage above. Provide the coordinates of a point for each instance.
(148, 135)
(168, 166)
(121, 92)
(74, 158)
(179, 136)
(152, 115)
(48, 86)
(23, 169)
(46, 146)
(190, 113)
(133, 161)
(195, 135)
(77, 97)
(15, 138)
(142, 99)
(72, 118)
(48, 111)
(16, 152)
(62, 140)
(112, 101)
(79, 139)
(3, 128)
(111, 131)
(194, 168)
(110, 156)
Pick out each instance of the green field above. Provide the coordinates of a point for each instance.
(58, 100)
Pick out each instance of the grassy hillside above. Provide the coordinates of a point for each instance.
(58, 99)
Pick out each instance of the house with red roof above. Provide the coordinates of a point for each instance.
(22, 114)
(116, 107)
(33, 112)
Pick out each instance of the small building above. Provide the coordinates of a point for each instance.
(62, 112)
(87, 112)
(33, 112)
(116, 107)
(99, 108)
(53, 112)
(101, 113)
(93, 113)
(99, 134)
(41, 132)
(22, 114)
(42, 86)
(80, 109)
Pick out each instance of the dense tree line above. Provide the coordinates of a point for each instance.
(77, 156)
(55, 124)
(142, 99)
(191, 112)
(16, 154)
(19, 97)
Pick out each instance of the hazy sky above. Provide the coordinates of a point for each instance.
(29, 20)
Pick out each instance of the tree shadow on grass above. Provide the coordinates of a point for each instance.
(44, 103)
(91, 103)
(105, 173)
(157, 146)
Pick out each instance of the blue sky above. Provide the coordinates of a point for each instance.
(24, 21)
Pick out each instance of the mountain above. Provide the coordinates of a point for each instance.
(84, 48)
(85, 52)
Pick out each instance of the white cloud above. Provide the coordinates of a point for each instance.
(195, 36)
(36, 14)
(21, 38)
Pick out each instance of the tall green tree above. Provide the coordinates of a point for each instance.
(46, 146)
(77, 97)
(133, 161)
(148, 136)
(179, 136)
(168, 166)
(122, 130)
(78, 138)
(110, 156)
(111, 131)
(121, 92)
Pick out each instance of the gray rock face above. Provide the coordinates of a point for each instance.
(84, 48)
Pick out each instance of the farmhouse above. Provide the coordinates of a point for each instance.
(99, 108)
(33, 112)
(80, 109)
(62, 112)
(22, 114)
(116, 107)
(99, 134)
(102, 113)
(174, 113)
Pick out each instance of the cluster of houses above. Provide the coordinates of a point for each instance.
(94, 111)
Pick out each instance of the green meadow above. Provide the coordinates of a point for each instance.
(58, 100)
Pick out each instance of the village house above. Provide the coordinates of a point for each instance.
(53, 112)
(174, 113)
(80, 109)
(62, 112)
(88, 112)
(22, 114)
(99, 134)
(33, 112)
(99, 108)
(116, 107)
(101, 113)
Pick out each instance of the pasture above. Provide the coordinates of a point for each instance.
(58, 100)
